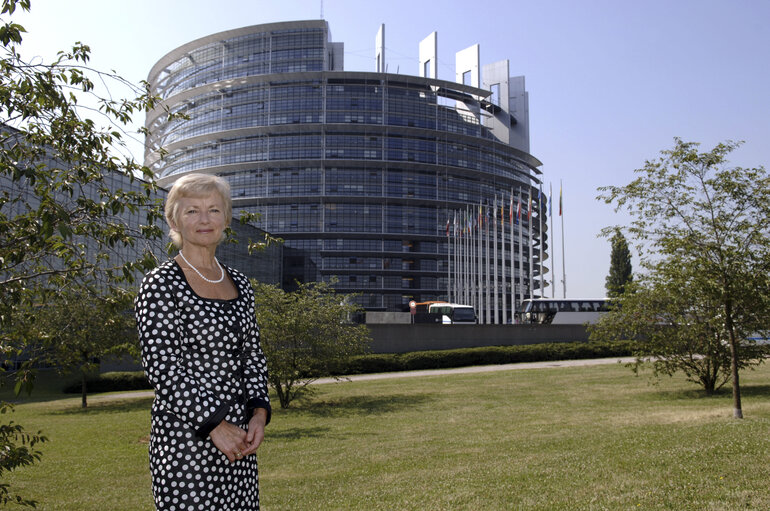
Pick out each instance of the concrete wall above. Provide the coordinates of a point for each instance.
(518, 104)
(379, 51)
(428, 51)
(420, 337)
(402, 318)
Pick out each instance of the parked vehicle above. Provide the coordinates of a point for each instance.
(454, 313)
(548, 311)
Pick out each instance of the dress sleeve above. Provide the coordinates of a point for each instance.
(255, 367)
(176, 390)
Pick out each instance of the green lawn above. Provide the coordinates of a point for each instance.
(562, 438)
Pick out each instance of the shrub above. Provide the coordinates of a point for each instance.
(416, 360)
(488, 355)
(113, 381)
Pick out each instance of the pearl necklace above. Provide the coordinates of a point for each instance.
(220, 279)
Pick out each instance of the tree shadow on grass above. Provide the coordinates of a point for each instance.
(100, 407)
(754, 390)
(298, 433)
(362, 405)
(725, 391)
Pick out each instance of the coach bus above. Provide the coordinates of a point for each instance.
(451, 313)
(551, 311)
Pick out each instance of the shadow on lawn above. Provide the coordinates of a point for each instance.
(363, 405)
(297, 433)
(725, 391)
(95, 407)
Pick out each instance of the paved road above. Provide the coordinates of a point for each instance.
(425, 372)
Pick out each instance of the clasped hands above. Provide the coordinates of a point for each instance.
(237, 443)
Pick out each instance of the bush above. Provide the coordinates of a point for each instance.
(110, 382)
(416, 360)
(488, 355)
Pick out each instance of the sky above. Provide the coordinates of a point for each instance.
(610, 82)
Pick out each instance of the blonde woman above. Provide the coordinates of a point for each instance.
(201, 352)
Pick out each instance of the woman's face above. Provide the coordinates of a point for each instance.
(201, 220)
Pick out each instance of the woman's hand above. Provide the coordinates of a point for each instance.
(256, 432)
(231, 440)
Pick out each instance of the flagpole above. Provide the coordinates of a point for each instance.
(542, 237)
(471, 288)
(479, 264)
(531, 272)
(452, 264)
(448, 262)
(471, 261)
(502, 259)
(453, 297)
(553, 259)
(465, 258)
(494, 267)
(513, 260)
(476, 261)
(488, 289)
(520, 292)
(563, 265)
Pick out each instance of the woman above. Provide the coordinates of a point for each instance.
(201, 352)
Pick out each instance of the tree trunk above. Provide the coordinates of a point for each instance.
(737, 409)
(283, 397)
(83, 402)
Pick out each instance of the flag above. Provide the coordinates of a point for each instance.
(529, 207)
(510, 209)
(560, 201)
(518, 210)
(502, 210)
(447, 227)
(550, 200)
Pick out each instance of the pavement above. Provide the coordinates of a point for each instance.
(420, 373)
(479, 369)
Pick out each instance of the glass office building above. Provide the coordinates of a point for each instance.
(359, 172)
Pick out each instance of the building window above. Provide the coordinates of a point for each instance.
(495, 88)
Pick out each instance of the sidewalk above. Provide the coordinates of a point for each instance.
(424, 372)
(480, 369)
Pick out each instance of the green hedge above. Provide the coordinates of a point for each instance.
(383, 363)
(390, 362)
(110, 382)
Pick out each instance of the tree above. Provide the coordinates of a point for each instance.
(703, 231)
(78, 330)
(62, 148)
(305, 335)
(620, 266)
(18, 450)
(61, 144)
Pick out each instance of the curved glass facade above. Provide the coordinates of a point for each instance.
(358, 172)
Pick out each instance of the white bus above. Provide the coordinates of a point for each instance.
(552, 311)
(453, 313)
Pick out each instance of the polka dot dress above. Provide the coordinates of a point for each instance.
(204, 360)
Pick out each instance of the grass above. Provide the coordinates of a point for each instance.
(584, 438)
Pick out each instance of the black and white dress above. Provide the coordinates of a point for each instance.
(205, 362)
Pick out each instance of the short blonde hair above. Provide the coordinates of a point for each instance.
(195, 185)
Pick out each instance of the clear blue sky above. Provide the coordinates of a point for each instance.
(611, 82)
